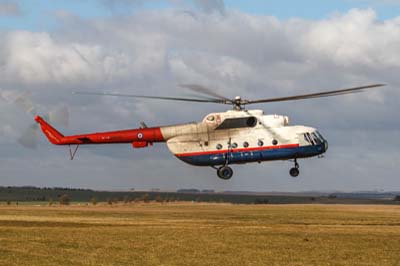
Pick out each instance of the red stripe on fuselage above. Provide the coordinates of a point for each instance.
(286, 146)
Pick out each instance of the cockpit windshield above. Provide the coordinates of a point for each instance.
(314, 138)
(319, 135)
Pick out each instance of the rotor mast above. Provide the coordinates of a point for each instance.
(238, 104)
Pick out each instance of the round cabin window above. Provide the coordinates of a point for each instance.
(245, 144)
(234, 145)
(274, 142)
(219, 146)
(260, 143)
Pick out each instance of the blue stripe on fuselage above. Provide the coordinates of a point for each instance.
(255, 156)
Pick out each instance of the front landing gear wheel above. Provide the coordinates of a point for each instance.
(294, 172)
(225, 172)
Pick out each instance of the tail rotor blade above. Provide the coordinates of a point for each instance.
(60, 116)
(24, 101)
(30, 137)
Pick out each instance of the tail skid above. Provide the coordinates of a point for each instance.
(54, 136)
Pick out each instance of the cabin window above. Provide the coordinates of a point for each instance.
(274, 142)
(219, 146)
(260, 143)
(234, 145)
(238, 122)
(211, 118)
(245, 144)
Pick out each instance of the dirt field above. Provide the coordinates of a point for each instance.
(200, 234)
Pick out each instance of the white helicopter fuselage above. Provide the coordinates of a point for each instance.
(231, 137)
(236, 137)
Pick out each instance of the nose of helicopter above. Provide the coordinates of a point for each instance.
(325, 145)
(322, 147)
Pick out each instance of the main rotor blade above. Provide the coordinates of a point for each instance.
(271, 130)
(316, 95)
(152, 97)
(204, 90)
(25, 102)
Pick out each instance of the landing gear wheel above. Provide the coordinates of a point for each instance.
(294, 172)
(225, 172)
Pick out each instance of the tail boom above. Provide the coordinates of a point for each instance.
(51, 133)
(149, 135)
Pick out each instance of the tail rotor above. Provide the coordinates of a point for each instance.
(30, 136)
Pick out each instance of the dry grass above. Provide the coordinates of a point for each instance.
(200, 234)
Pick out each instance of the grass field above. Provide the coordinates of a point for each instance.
(200, 234)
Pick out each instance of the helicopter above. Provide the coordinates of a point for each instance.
(221, 139)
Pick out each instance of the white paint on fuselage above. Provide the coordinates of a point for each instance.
(204, 137)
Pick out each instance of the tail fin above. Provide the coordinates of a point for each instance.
(51, 133)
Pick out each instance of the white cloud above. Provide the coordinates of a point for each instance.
(207, 6)
(255, 56)
(356, 38)
(33, 57)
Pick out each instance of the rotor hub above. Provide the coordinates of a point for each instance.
(238, 103)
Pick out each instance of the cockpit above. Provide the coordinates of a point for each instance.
(314, 138)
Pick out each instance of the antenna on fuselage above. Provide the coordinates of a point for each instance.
(143, 125)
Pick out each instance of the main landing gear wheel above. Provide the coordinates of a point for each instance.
(225, 172)
(294, 172)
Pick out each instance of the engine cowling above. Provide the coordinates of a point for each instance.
(276, 120)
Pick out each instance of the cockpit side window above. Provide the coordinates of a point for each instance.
(306, 138)
(316, 138)
(310, 138)
(238, 122)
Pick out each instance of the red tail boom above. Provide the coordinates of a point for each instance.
(142, 135)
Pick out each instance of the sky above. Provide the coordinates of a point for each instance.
(256, 49)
